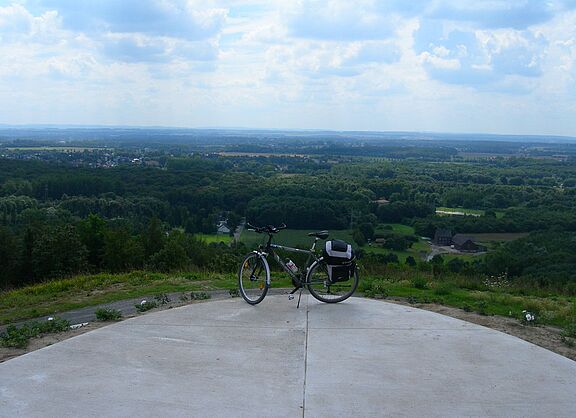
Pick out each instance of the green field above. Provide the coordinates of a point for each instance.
(396, 228)
(211, 238)
(418, 249)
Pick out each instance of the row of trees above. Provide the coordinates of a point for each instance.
(47, 251)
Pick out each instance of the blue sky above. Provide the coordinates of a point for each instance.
(495, 66)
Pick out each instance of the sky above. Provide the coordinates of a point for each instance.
(485, 66)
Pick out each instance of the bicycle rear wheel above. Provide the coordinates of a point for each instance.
(324, 290)
(253, 278)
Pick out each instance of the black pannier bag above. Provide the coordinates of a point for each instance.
(340, 260)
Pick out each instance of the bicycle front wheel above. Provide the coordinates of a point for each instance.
(253, 278)
(324, 290)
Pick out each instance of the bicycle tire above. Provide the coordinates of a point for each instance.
(253, 278)
(321, 288)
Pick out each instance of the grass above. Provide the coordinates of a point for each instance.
(463, 292)
(396, 228)
(214, 238)
(553, 310)
(89, 290)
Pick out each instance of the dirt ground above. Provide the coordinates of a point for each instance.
(543, 336)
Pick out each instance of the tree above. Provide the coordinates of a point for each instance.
(367, 230)
(170, 258)
(410, 261)
(92, 234)
(359, 238)
(58, 251)
(153, 238)
(122, 252)
(8, 257)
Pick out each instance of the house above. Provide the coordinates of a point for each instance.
(466, 244)
(443, 237)
(222, 228)
(381, 201)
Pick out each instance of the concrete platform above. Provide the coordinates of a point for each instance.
(226, 358)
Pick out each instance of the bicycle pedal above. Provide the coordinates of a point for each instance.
(290, 297)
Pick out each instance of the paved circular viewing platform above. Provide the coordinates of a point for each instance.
(226, 358)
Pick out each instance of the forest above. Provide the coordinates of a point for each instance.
(63, 214)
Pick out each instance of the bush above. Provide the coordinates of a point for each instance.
(199, 296)
(20, 337)
(419, 282)
(482, 307)
(376, 289)
(108, 314)
(145, 306)
(162, 299)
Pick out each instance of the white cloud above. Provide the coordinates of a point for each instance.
(360, 64)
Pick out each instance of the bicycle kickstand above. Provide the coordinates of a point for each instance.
(291, 295)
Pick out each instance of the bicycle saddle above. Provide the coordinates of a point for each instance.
(319, 234)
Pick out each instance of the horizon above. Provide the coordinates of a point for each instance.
(279, 130)
(433, 66)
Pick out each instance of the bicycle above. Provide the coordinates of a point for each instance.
(254, 273)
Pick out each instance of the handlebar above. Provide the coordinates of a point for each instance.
(269, 229)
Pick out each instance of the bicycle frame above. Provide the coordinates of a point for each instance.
(269, 248)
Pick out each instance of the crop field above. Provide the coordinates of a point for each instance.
(444, 211)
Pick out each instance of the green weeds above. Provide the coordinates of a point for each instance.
(108, 314)
(19, 337)
(145, 305)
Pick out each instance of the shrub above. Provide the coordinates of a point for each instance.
(481, 307)
(570, 330)
(419, 282)
(145, 306)
(162, 299)
(108, 314)
(570, 288)
(20, 337)
(199, 295)
(376, 289)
